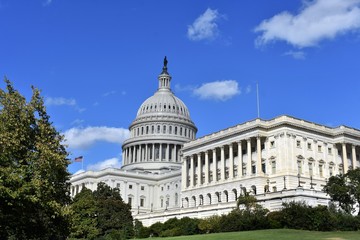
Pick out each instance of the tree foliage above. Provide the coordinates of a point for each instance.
(33, 170)
(101, 214)
(345, 190)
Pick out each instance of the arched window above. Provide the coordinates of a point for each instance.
(170, 129)
(152, 129)
(158, 129)
(180, 131)
(176, 199)
(175, 130)
(142, 130)
(164, 129)
(147, 129)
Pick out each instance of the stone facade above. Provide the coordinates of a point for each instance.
(168, 173)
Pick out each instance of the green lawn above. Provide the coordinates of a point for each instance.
(276, 234)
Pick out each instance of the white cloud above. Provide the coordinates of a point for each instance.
(218, 90)
(58, 101)
(205, 26)
(47, 3)
(81, 138)
(109, 93)
(295, 54)
(77, 122)
(112, 162)
(317, 20)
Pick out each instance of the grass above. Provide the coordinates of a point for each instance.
(276, 234)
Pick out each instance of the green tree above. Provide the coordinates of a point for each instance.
(113, 214)
(33, 170)
(83, 218)
(345, 190)
(246, 200)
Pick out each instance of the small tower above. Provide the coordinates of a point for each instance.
(164, 77)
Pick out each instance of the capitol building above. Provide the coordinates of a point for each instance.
(167, 172)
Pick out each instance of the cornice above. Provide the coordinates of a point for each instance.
(266, 125)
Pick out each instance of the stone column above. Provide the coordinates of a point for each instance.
(206, 167)
(248, 165)
(344, 157)
(240, 160)
(185, 173)
(174, 153)
(214, 165)
(133, 154)
(192, 170)
(125, 157)
(141, 153)
(259, 159)
(199, 169)
(353, 156)
(146, 153)
(167, 152)
(222, 163)
(153, 152)
(231, 161)
(178, 153)
(160, 152)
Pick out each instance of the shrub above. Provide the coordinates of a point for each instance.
(275, 219)
(210, 224)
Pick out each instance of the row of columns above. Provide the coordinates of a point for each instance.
(151, 152)
(189, 173)
(345, 159)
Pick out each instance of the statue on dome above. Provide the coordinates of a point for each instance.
(165, 62)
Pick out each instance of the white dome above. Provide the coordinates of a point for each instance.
(161, 127)
(163, 102)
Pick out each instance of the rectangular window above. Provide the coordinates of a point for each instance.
(130, 201)
(329, 151)
(142, 202)
(244, 171)
(319, 148)
(142, 188)
(321, 170)
(273, 167)
(331, 171)
(130, 186)
(309, 146)
(310, 169)
(299, 167)
(118, 185)
(263, 167)
(272, 144)
(298, 144)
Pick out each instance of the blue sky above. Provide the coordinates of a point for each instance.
(97, 61)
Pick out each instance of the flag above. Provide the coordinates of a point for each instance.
(78, 159)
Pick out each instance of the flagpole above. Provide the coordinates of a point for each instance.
(82, 163)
